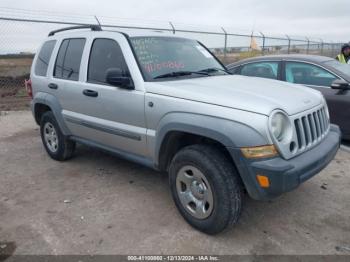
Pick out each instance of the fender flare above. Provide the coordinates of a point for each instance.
(227, 132)
(55, 106)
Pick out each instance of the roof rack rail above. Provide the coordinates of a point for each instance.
(92, 27)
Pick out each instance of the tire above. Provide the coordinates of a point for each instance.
(216, 175)
(56, 144)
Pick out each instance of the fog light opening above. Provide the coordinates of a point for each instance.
(292, 147)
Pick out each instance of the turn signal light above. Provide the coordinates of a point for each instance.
(263, 181)
(259, 151)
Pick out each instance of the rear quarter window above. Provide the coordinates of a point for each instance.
(43, 59)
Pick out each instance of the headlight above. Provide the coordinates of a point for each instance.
(280, 126)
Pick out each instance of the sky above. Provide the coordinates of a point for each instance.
(326, 19)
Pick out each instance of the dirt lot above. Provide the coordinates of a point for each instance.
(13, 72)
(117, 207)
(15, 67)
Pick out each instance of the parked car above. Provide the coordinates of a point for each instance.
(324, 74)
(167, 103)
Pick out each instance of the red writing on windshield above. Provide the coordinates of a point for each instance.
(159, 66)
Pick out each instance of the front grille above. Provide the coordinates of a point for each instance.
(311, 128)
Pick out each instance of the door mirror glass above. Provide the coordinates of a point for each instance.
(340, 85)
(116, 77)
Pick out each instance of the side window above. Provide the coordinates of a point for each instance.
(43, 59)
(60, 59)
(307, 74)
(105, 54)
(234, 70)
(68, 59)
(261, 69)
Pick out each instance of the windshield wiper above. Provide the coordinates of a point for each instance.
(215, 69)
(180, 73)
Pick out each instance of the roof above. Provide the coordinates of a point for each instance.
(314, 59)
(144, 33)
(304, 57)
(130, 32)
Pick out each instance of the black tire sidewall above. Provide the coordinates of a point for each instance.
(221, 187)
(49, 117)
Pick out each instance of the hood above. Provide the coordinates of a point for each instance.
(252, 94)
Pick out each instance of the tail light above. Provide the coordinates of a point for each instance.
(28, 85)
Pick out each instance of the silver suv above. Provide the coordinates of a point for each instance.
(168, 103)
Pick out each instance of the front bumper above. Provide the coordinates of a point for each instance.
(286, 175)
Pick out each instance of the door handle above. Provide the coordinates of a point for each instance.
(53, 86)
(89, 92)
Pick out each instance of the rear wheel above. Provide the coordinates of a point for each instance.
(56, 144)
(206, 188)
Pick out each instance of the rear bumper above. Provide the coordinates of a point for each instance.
(286, 175)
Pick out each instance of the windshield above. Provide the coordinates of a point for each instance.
(169, 57)
(344, 68)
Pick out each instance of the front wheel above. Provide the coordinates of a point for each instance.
(206, 188)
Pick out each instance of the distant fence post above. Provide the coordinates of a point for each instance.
(332, 48)
(225, 45)
(288, 43)
(251, 40)
(321, 46)
(173, 27)
(263, 46)
(308, 45)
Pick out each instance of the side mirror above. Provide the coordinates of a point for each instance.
(340, 85)
(116, 77)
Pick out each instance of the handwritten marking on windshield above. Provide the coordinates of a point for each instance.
(159, 66)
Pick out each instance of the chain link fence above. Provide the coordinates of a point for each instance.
(22, 31)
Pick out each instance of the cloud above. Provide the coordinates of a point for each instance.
(313, 18)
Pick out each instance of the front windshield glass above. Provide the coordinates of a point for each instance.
(344, 68)
(169, 57)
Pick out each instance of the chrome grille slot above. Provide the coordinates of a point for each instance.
(299, 133)
(311, 128)
(323, 116)
(307, 130)
(321, 122)
(318, 128)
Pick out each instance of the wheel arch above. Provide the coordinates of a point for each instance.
(44, 102)
(180, 130)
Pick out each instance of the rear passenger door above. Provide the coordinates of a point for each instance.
(64, 83)
(110, 116)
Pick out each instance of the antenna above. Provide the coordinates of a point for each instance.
(98, 21)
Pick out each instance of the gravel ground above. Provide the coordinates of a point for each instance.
(100, 204)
